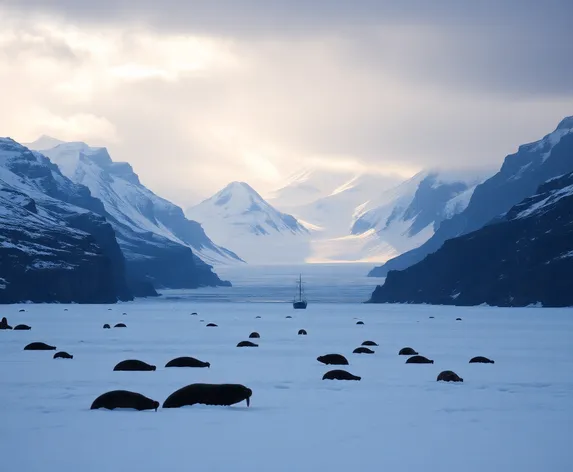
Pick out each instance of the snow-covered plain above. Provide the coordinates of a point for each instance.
(515, 415)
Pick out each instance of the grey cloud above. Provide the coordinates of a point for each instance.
(458, 84)
(517, 47)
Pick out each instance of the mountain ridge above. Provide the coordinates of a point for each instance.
(519, 177)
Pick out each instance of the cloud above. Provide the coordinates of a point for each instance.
(196, 94)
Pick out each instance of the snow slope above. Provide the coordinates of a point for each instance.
(518, 178)
(306, 186)
(515, 415)
(41, 208)
(240, 219)
(369, 217)
(130, 203)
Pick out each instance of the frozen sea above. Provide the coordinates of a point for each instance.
(515, 415)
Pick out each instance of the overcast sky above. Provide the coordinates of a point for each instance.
(195, 94)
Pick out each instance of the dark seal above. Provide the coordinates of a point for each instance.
(106, 326)
(449, 376)
(39, 347)
(257, 317)
(407, 351)
(333, 359)
(458, 319)
(22, 327)
(124, 399)
(431, 317)
(254, 335)
(481, 360)
(63, 355)
(360, 322)
(187, 362)
(302, 332)
(211, 325)
(208, 394)
(247, 344)
(419, 360)
(339, 375)
(4, 324)
(194, 314)
(288, 316)
(369, 343)
(134, 365)
(120, 325)
(362, 350)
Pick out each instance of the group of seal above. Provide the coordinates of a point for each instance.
(21, 327)
(199, 393)
(117, 325)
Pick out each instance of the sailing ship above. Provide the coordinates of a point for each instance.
(301, 303)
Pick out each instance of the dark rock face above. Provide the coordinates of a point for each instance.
(247, 344)
(523, 258)
(519, 177)
(429, 201)
(51, 248)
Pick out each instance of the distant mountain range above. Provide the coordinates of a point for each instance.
(240, 219)
(518, 178)
(62, 224)
(371, 217)
(512, 244)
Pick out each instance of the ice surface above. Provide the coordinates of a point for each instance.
(515, 415)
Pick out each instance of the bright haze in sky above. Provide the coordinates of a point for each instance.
(195, 94)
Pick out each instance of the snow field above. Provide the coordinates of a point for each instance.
(515, 415)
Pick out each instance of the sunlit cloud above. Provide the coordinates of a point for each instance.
(194, 100)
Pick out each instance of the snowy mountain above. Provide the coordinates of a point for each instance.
(51, 247)
(406, 216)
(361, 217)
(134, 207)
(240, 219)
(519, 177)
(522, 257)
(306, 186)
(333, 214)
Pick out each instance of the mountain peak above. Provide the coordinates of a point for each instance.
(43, 142)
(566, 123)
(240, 185)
